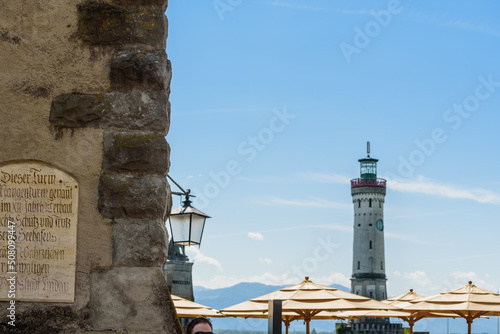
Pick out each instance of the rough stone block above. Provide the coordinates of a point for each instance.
(133, 299)
(133, 110)
(139, 243)
(156, 3)
(52, 319)
(169, 76)
(106, 24)
(132, 196)
(140, 70)
(10, 37)
(143, 152)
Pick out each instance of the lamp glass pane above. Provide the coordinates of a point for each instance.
(197, 223)
(179, 224)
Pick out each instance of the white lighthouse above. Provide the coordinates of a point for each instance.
(368, 262)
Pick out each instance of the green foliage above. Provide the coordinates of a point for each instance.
(340, 328)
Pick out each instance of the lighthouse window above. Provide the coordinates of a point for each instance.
(381, 265)
(370, 202)
(370, 244)
(379, 204)
(358, 265)
(359, 203)
(371, 294)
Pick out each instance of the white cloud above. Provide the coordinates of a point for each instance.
(455, 23)
(271, 279)
(335, 278)
(458, 279)
(255, 236)
(418, 281)
(265, 260)
(197, 256)
(464, 25)
(424, 186)
(423, 285)
(313, 202)
(418, 278)
(418, 185)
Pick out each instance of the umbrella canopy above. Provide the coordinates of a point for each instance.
(406, 300)
(400, 302)
(244, 310)
(187, 308)
(403, 300)
(307, 299)
(251, 309)
(373, 313)
(469, 302)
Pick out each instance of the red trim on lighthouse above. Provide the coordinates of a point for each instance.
(368, 183)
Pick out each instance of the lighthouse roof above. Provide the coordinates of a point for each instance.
(368, 159)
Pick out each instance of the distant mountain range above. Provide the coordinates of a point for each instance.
(225, 297)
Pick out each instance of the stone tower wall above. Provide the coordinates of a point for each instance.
(84, 88)
(368, 268)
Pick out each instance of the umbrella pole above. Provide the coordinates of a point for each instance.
(287, 322)
(307, 326)
(469, 319)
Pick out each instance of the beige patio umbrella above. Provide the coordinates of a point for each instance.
(251, 309)
(308, 299)
(406, 300)
(468, 302)
(187, 308)
(399, 302)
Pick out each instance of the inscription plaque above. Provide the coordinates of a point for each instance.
(39, 206)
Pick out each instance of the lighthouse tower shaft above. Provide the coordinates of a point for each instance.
(368, 265)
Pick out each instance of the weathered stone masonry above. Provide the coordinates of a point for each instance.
(129, 295)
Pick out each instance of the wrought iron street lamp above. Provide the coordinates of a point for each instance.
(186, 223)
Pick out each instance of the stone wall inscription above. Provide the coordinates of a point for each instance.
(39, 205)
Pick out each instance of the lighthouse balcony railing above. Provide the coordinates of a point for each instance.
(368, 183)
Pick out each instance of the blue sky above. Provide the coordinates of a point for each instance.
(273, 103)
